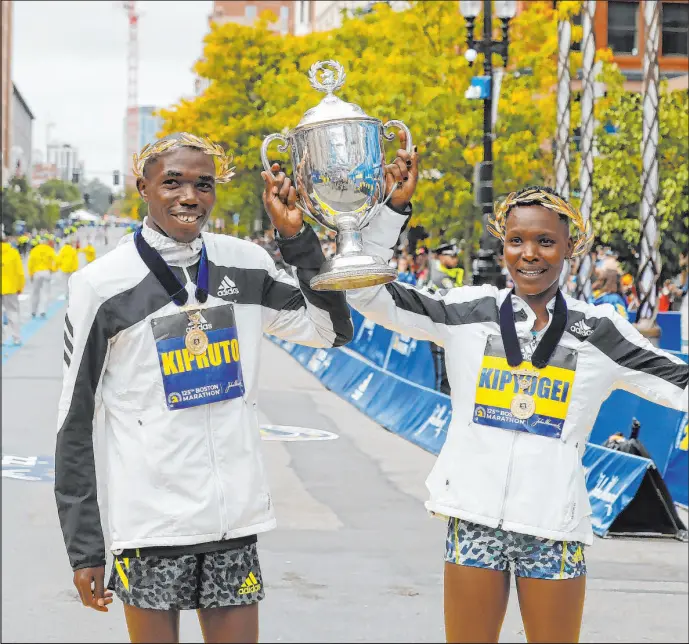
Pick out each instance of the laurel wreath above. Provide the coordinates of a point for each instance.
(583, 238)
(224, 172)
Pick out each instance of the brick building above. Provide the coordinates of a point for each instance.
(7, 93)
(294, 16)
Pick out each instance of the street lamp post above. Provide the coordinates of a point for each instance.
(487, 269)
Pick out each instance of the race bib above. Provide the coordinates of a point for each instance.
(551, 391)
(214, 375)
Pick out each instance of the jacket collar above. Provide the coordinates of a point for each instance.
(524, 316)
(173, 252)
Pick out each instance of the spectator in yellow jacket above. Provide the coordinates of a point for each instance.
(12, 285)
(89, 252)
(67, 263)
(42, 264)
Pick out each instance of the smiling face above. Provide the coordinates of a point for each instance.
(179, 188)
(537, 242)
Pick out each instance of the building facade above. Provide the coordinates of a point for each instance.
(330, 13)
(619, 24)
(21, 136)
(149, 127)
(6, 83)
(294, 16)
(65, 158)
(42, 172)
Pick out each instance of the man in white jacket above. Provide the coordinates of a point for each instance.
(164, 334)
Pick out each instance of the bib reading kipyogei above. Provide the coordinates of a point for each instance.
(550, 387)
(214, 375)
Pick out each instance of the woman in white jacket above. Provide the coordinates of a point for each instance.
(529, 369)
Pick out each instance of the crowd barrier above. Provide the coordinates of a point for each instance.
(391, 378)
(670, 329)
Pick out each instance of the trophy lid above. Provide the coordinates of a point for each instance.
(331, 108)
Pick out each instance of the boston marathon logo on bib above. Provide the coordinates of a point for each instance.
(524, 399)
(198, 352)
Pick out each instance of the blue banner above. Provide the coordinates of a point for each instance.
(677, 473)
(659, 424)
(399, 354)
(612, 480)
(670, 330)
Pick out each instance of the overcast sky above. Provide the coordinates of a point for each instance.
(69, 61)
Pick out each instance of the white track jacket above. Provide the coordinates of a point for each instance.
(185, 476)
(528, 483)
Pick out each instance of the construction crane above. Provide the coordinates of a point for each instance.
(132, 87)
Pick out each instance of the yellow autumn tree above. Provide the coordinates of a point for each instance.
(405, 65)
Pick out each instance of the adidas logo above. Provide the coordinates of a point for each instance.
(203, 324)
(250, 585)
(227, 287)
(581, 328)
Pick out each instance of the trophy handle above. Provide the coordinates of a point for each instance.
(264, 151)
(390, 137)
(404, 128)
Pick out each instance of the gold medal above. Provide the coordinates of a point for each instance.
(196, 342)
(522, 406)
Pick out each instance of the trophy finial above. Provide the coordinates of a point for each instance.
(331, 79)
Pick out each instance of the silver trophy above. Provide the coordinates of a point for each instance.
(339, 175)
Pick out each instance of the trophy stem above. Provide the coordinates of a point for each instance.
(351, 268)
(349, 239)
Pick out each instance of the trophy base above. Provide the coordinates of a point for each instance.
(345, 272)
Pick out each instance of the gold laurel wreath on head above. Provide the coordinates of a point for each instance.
(223, 174)
(583, 237)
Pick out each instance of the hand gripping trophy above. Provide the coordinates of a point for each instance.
(339, 173)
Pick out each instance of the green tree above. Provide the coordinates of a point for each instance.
(617, 178)
(21, 203)
(60, 190)
(99, 195)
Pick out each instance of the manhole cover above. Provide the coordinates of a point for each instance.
(289, 433)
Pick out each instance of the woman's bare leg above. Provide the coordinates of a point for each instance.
(475, 603)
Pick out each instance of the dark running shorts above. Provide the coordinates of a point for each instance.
(205, 580)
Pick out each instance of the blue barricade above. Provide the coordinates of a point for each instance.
(659, 425)
(612, 480)
(670, 330)
(422, 416)
(404, 356)
(676, 473)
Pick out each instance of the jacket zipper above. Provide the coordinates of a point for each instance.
(221, 494)
(214, 464)
(507, 481)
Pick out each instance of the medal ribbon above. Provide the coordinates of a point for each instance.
(546, 347)
(163, 273)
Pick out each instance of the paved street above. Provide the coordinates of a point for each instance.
(355, 557)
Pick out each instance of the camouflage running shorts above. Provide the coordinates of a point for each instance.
(472, 544)
(204, 580)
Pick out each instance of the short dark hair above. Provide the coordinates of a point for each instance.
(547, 189)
